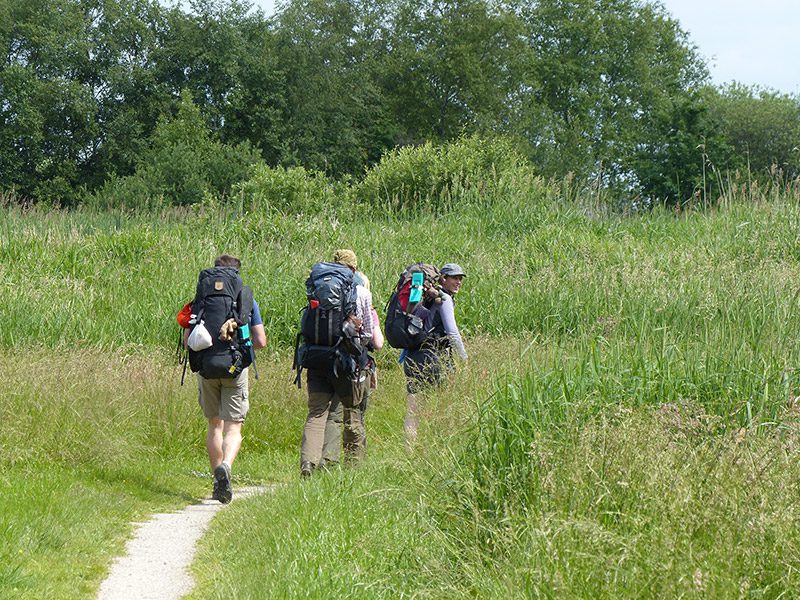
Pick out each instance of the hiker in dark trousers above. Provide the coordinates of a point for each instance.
(330, 390)
(355, 439)
(224, 399)
(429, 364)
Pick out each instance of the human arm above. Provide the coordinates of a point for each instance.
(257, 333)
(364, 313)
(447, 313)
(377, 334)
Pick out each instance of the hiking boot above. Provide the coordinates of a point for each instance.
(306, 468)
(222, 484)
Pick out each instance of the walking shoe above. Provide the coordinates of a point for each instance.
(306, 468)
(222, 484)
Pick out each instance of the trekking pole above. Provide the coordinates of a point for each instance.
(253, 363)
(182, 354)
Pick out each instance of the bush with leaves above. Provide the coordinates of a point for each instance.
(436, 177)
(184, 165)
(290, 190)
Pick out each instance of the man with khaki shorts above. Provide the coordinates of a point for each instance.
(225, 404)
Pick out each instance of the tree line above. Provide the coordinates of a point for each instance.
(105, 95)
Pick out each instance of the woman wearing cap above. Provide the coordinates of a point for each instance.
(423, 366)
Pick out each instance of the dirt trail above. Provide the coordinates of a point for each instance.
(157, 559)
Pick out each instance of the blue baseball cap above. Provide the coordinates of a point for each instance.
(451, 270)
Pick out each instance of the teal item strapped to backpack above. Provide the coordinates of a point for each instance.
(408, 316)
(415, 294)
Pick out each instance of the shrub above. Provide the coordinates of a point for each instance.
(183, 166)
(435, 177)
(288, 190)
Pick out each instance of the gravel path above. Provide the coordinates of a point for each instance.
(157, 559)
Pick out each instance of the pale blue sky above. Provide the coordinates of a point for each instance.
(752, 42)
(749, 41)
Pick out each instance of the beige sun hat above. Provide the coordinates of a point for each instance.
(346, 257)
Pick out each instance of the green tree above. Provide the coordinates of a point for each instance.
(598, 75)
(763, 126)
(47, 117)
(256, 106)
(124, 36)
(201, 51)
(678, 156)
(79, 98)
(335, 112)
(451, 68)
(183, 165)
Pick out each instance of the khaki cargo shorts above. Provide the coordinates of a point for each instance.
(225, 398)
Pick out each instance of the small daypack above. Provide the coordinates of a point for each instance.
(322, 342)
(408, 317)
(220, 296)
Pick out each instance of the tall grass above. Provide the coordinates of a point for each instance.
(626, 421)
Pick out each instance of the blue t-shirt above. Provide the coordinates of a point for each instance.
(255, 316)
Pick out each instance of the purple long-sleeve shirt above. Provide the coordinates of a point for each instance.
(447, 313)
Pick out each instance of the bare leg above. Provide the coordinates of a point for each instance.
(214, 441)
(232, 441)
(410, 421)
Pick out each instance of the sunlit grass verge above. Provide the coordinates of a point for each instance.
(611, 468)
(61, 525)
(94, 441)
(536, 476)
(90, 442)
(587, 325)
(349, 534)
(657, 502)
(629, 502)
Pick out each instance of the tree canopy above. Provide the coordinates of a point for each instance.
(608, 91)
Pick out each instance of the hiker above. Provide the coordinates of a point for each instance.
(340, 379)
(430, 363)
(338, 414)
(222, 373)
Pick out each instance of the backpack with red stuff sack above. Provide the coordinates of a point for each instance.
(183, 317)
(220, 296)
(408, 317)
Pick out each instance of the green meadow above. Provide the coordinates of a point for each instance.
(627, 425)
